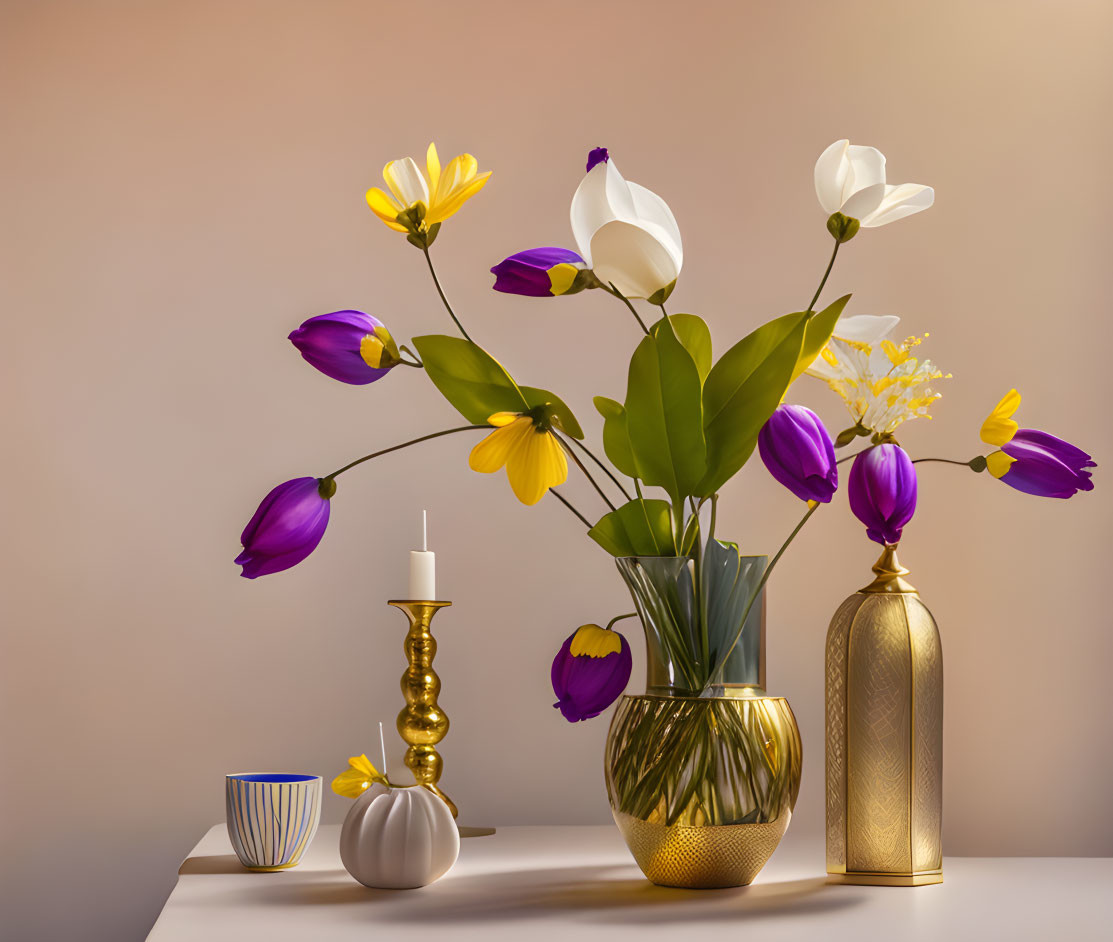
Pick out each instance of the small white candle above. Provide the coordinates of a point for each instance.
(423, 568)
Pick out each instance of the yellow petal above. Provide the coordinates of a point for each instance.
(1000, 428)
(999, 463)
(593, 641)
(385, 208)
(433, 169)
(561, 277)
(499, 419)
(492, 453)
(371, 350)
(535, 465)
(441, 210)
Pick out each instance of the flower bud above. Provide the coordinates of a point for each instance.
(286, 528)
(350, 346)
(541, 273)
(843, 228)
(797, 451)
(882, 491)
(589, 672)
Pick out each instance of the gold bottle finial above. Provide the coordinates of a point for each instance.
(890, 575)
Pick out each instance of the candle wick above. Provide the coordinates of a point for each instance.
(382, 750)
(424, 533)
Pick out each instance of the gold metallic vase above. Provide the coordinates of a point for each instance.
(884, 719)
(422, 723)
(702, 787)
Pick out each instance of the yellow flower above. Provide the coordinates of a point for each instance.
(440, 192)
(533, 457)
(882, 384)
(998, 429)
(359, 777)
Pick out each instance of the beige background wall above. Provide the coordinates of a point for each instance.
(182, 185)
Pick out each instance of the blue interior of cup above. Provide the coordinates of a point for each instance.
(273, 778)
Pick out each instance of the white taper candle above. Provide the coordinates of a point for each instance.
(423, 568)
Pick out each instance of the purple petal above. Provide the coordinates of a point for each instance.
(586, 686)
(527, 273)
(882, 491)
(1046, 466)
(799, 454)
(598, 155)
(287, 526)
(331, 344)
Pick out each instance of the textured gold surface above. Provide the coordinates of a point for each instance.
(703, 788)
(704, 857)
(884, 720)
(422, 723)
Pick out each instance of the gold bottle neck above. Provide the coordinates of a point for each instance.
(890, 576)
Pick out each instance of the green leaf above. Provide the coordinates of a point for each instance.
(741, 392)
(818, 332)
(693, 333)
(469, 377)
(664, 415)
(558, 412)
(638, 528)
(616, 440)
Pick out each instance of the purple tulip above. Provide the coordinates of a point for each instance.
(287, 526)
(1044, 465)
(540, 273)
(350, 346)
(799, 453)
(589, 672)
(883, 492)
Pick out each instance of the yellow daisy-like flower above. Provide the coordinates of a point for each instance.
(882, 384)
(530, 451)
(439, 191)
(359, 777)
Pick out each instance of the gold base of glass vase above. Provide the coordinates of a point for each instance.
(702, 788)
(701, 857)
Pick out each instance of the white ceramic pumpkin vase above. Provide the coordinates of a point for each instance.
(399, 838)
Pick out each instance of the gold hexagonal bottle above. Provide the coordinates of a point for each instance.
(884, 722)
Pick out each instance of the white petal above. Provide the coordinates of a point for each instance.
(865, 328)
(898, 202)
(601, 197)
(650, 208)
(864, 202)
(830, 176)
(406, 181)
(637, 260)
(867, 168)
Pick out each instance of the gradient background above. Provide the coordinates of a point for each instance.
(183, 184)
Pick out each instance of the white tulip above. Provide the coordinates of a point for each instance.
(626, 234)
(850, 179)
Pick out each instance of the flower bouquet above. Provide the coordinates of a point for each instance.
(705, 767)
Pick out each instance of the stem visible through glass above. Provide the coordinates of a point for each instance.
(812, 508)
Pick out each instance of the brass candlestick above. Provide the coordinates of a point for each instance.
(422, 723)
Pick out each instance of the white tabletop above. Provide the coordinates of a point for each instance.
(580, 884)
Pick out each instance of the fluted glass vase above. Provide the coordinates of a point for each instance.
(703, 770)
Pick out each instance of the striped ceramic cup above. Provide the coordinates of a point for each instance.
(272, 817)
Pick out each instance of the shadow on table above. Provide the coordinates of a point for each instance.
(591, 891)
(217, 863)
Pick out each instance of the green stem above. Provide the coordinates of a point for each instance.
(965, 464)
(607, 471)
(757, 592)
(587, 474)
(625, 300)
(440, 291)
(413, 441)
(564, 500)
(826, 274)
(714, 509)
(620, 617)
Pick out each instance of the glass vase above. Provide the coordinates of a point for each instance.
(703, 770)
